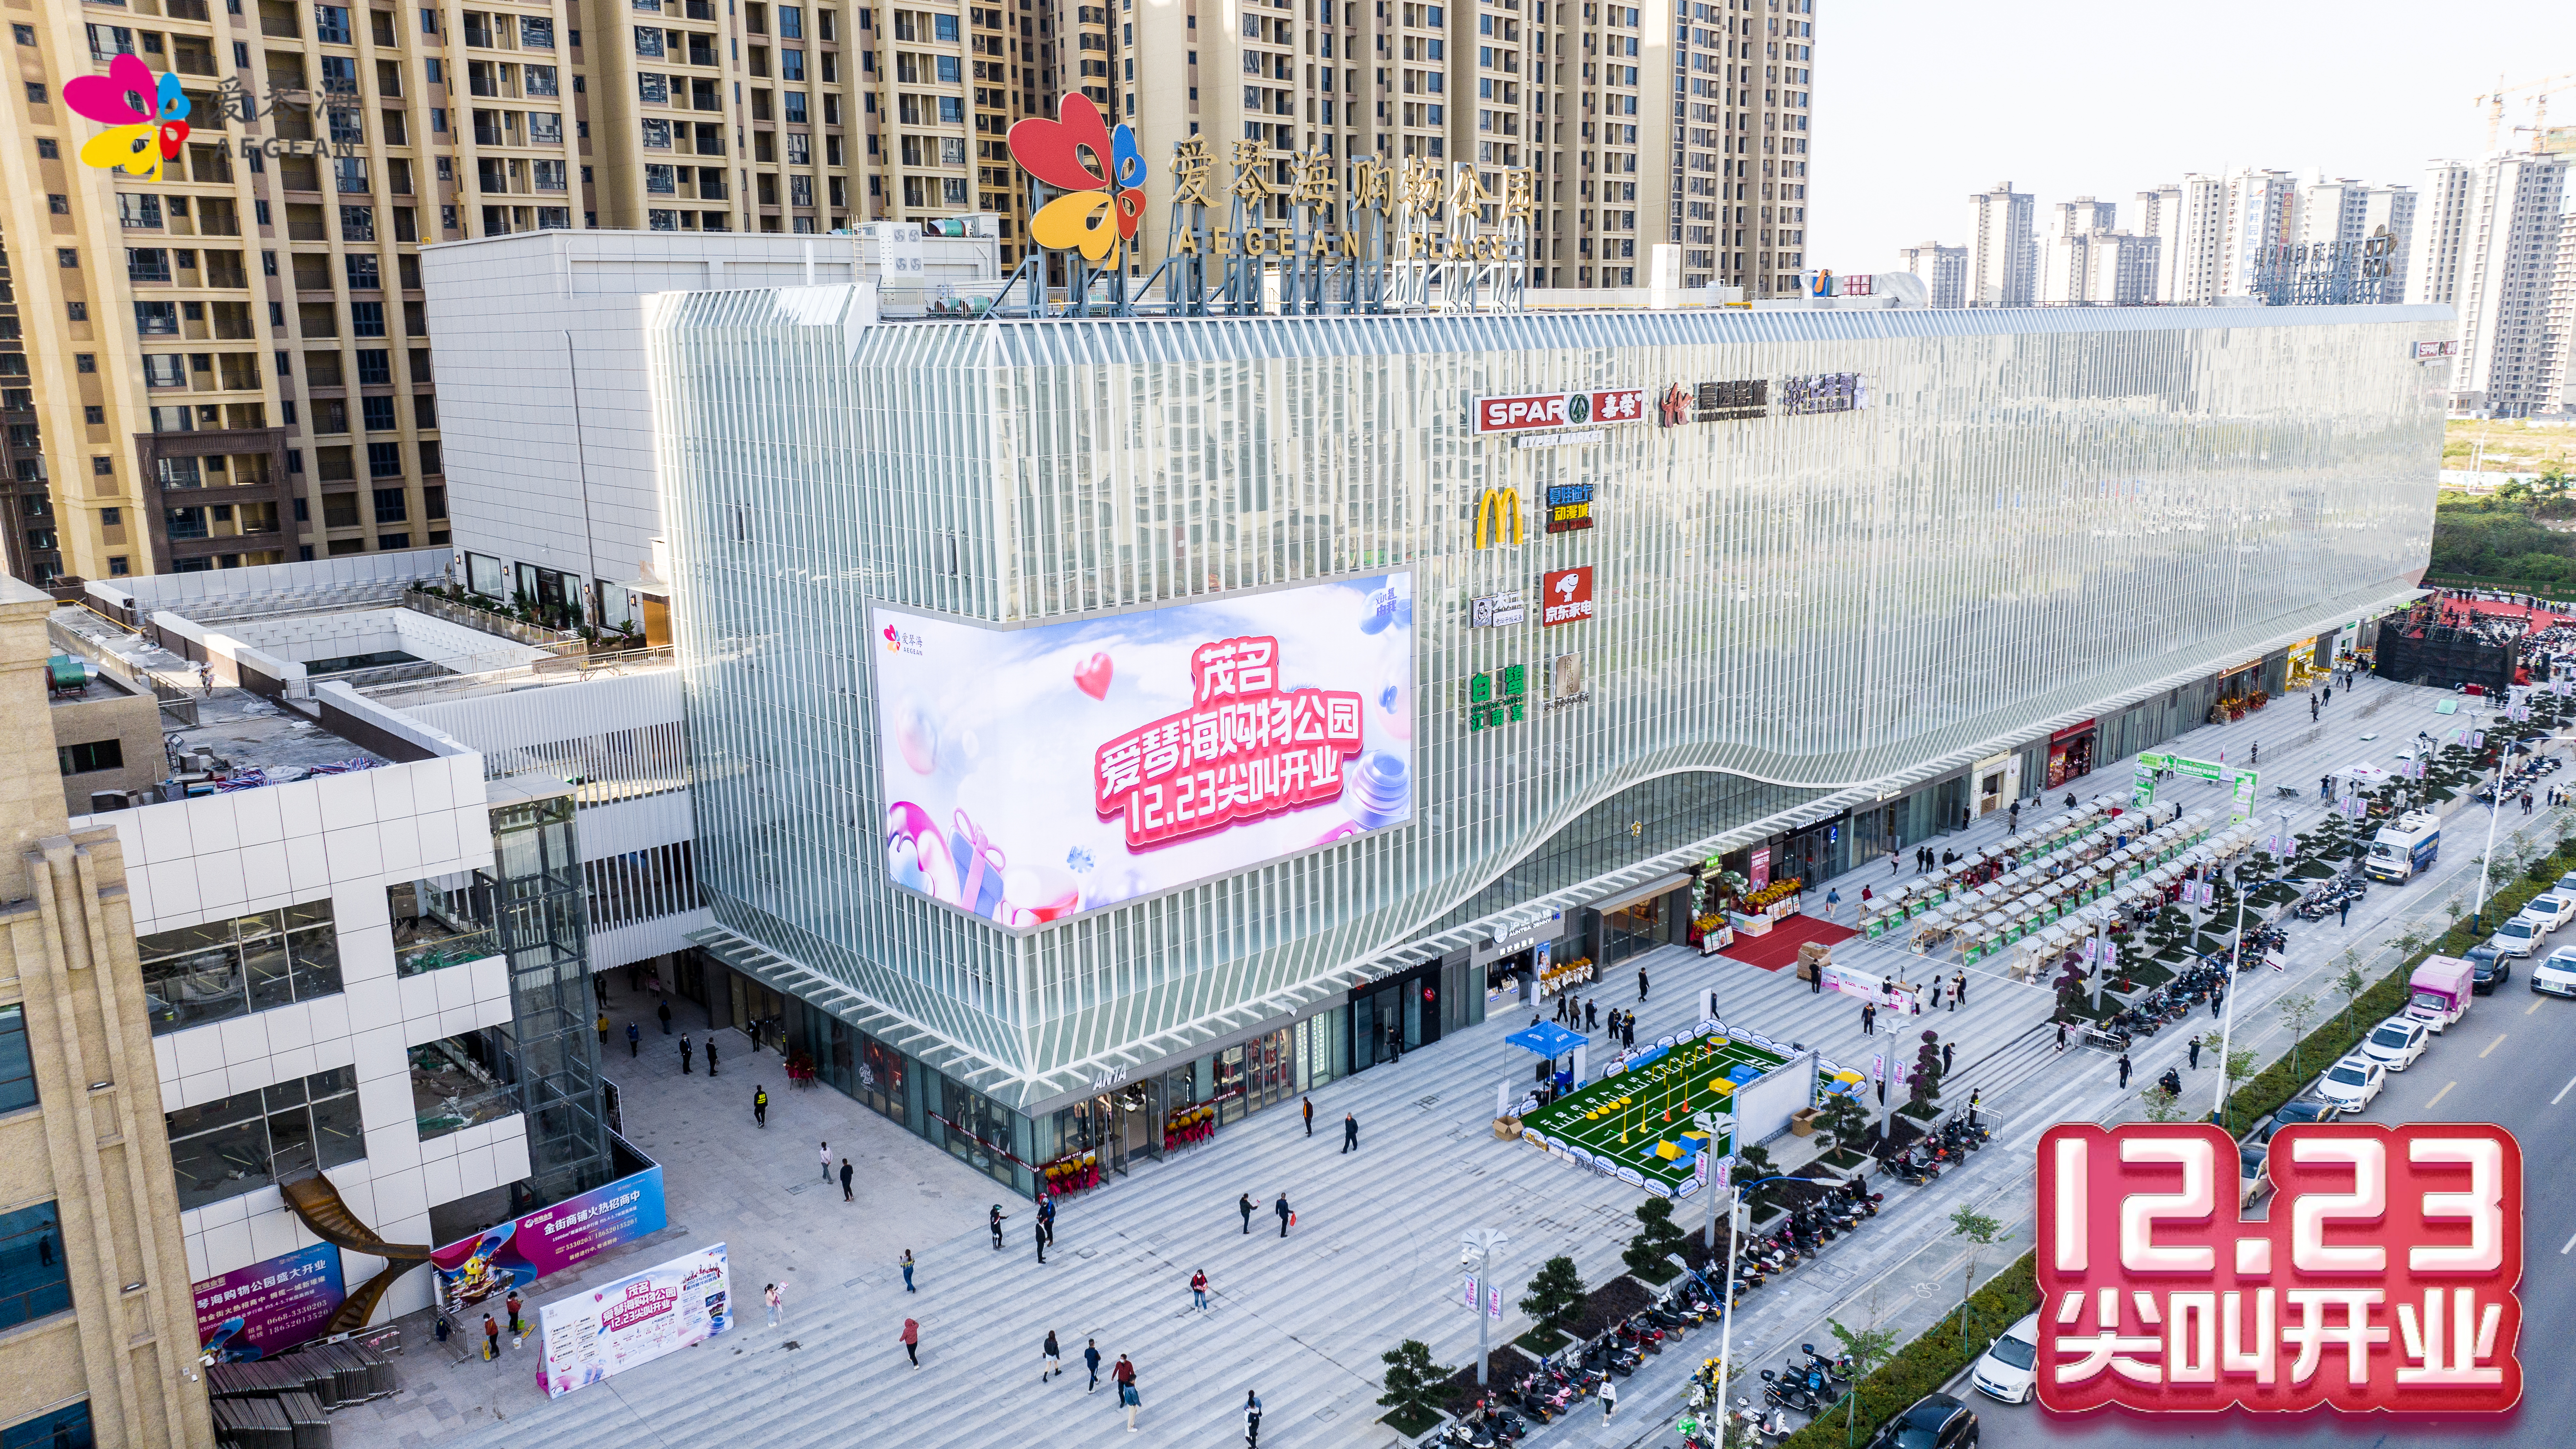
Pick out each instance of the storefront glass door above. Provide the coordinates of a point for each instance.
(1140, 1127)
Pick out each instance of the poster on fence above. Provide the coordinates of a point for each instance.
(626, 1324)
(516, 1253)
(270, 1306)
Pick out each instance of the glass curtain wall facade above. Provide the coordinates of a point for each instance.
(2032, 511)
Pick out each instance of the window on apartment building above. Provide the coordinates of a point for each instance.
(375, 366)
(384, 460)
(657, 135)
(224, 969)
(17, 1069)
(366, 319)
(254, 1139)
(39, 1282)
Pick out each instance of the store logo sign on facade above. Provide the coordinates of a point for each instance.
(1536, 411)
(1566, 595)
(1569, 507)
(1100, 208)
(1496, 698)
(1565, 681)
(1495, 611)
(1824, 392)
(1498, 518)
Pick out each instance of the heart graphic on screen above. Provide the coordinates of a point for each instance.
(1093, 675)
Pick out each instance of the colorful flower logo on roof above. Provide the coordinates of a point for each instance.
(148, 121)
(1105, 191)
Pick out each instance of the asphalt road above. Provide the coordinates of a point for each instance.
(2512, 1061)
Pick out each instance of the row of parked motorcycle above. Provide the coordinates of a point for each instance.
(1563, 1380)
(2521, 777)
(1936, 1151)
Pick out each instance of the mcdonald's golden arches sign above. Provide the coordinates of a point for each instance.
(1498, 518)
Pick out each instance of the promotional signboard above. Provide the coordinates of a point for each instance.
(270, 1306)
(1496, 611)
(1569, 507)
(2382, 1277)
(1565, 595)
(605, 1331)
(1032, 774)
(532, 1245)
(2436, 351)
(1531, 412)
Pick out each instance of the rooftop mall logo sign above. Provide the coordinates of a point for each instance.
(148, 121)
(2383, 1279)
(1104, 191)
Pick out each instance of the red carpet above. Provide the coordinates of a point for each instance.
(1780, 947)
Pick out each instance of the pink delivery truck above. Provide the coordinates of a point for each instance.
(2438, 993)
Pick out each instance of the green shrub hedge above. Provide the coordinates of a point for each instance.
(1923, 1366)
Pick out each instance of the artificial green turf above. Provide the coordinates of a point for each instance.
(1652, 1091)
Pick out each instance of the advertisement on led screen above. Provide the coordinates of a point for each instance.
(1033, 774)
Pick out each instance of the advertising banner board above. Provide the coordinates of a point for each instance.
(517, 1253)
(270, 1306)
(604, 1331)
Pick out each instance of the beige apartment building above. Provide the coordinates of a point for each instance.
(98, 1331)
(228, 365)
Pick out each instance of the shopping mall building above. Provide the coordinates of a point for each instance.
(1097, 720)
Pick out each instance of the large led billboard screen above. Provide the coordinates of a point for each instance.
(1033, 774)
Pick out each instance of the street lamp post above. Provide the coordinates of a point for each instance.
(1723, 1181)
(2227, 1017)
(1478, 1248)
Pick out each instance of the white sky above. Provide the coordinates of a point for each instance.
(1918, 105)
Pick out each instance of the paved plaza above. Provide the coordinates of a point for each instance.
(1374, 1256)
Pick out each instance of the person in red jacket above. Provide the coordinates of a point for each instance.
(1198, 1288)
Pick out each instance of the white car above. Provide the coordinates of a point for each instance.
(2550, 911)
(2353, 1083)
(2005, 1370)
(2557, 975)
(2396, 1042)
(2516, 937)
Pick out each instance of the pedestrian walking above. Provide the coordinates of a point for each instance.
(1591, 1015)
(1833, 903)
(1308, 1104)
(1049, 1352)
(1037, 1232)
(1243, 1205)
(1285, 1216)
(1864, 900)
(2343, 912)
(513, 1304)
(1091, 1361)
(664, 1011)
(711, 1054)
(1958, 989)
(1815, 974)
(634, 1040)
(1641, 986)
(1610, 1397)
(1869, 1018)
(912, 1341)
(2217, 1002)
(1946, 1049)
(603, 1019)
(2012, 819)
(2195, 1053)
(994, 1222)
(1251, 1420)
(759, 1105)
(769, 1295)
(1046, 1218)
(1350, 1135)
(1935, 993)
(685, 1049)
(906, 1264)
(1892, 867)
(826, 1152)
(2312, 709)
(2326, 696)
(2061, 1033)
(1198, 1290)
(491, 1339)
(848, 1170)
(2124, 1071)
(1125, 1374)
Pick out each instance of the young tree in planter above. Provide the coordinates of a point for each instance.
(2163, 1106)
(2240, 1069)
(1867, 1348)
(2298, 1012)
(1555, 1295)
(1981, 1232)
(2350, 982)
(1752, 1164)
(1414, 1384)
(1926, 1087)
(1649, 1253)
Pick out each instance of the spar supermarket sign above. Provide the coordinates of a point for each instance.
(1535, 411)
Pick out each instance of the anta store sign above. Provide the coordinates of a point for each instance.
(1534, 412)
(2383, 1278)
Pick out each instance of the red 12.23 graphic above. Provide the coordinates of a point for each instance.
(2383, 1278)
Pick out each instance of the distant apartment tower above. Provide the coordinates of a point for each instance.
(2444, 217)
(2262, 212)
(2065, 270)
(2189, 219)
(2508, 274)
(2003, 251)
(1944, 271)
(2557, 389)
(2332, 209)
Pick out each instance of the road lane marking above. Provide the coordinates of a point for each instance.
(2571, 1243)
(2563, 1091)
(2491, 1046)
(2535, 1005)
(2438, 1096)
